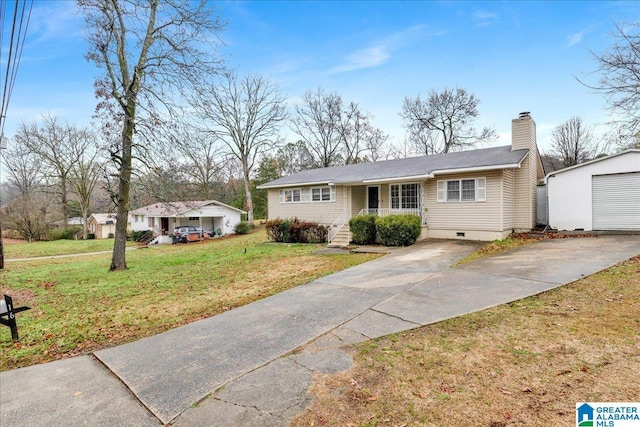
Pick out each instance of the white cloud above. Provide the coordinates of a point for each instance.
(365, 58)
(576, 38)
(484, 18)
(379, 53)
(56, 21)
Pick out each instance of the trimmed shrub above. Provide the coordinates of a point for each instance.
(363, 229)
(110, 235)
(68, 233)
(91, 236)
(243, 227)
(398, 230)
(295, 231)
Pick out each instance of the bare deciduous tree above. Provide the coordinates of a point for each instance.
(444, 122)
(245, 114)
(59, 147)
(619, 70)
(152, 52)
(361, 142)
(334, 133)
(315, 121)
(573, 143)
(26, 211)
(201, 155)
(84, 175)
(24, 168)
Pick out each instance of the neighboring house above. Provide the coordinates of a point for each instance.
(480, 194)
(103, 225)
(602, 194)
(163, 218)
(73, 221)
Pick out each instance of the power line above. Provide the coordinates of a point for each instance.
(19, 25)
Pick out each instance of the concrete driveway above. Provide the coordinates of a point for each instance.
(177, 376)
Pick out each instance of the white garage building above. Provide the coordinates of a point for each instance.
(603, 194)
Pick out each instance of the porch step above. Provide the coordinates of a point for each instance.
(342, 238)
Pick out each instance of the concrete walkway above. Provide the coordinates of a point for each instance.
(253, 365)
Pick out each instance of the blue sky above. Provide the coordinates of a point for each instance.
(514, 56)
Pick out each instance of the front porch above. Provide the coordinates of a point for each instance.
(379, 200)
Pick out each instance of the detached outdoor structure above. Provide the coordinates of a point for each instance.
(162, 218)
(480, 194)
(602, 194)
(102, 225)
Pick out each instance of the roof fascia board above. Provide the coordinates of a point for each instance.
(401, 178)
(552, 174)
(298, 184)
(477, 169)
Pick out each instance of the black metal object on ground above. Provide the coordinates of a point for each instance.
(9, 311)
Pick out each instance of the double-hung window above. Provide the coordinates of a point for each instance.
(405, 196)
(291, 196)
(462, 190)
(321, 194)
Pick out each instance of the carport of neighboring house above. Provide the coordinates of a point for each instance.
(163, 218)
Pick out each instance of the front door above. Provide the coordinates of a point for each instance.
(373, 194)
(165, 225)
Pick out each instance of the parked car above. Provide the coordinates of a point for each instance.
(186, 233)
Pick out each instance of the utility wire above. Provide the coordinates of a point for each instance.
(19, 25)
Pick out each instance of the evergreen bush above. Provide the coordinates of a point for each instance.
(363, 229)
(243, 227)
(398, 230)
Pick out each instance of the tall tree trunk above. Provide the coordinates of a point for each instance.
(247, 190)
(85, 226)
(65, 202)
(118, 260)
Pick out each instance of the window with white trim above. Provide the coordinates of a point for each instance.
(405, 196)
(293, 195)
(462, 190)
(323, 194)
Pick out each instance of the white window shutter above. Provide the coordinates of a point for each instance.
(333, 194)
(481, 190)
(281, 196)
(441, 192)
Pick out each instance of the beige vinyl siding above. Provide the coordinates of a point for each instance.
(526, 178)
(507, 199)
(525, 181)
(385, 196)
(320, 212)
(465, 216)
(358, 199)
(523, 133)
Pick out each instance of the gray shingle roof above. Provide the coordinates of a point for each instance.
(496, 157)
(170, 209)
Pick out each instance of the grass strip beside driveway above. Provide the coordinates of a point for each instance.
(526, 363)
(78, 306)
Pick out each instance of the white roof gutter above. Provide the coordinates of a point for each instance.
(476, 169)
(297, 184)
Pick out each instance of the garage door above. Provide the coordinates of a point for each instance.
(616, 201)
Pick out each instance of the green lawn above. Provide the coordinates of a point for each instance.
(79, 306)
(57, 247)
